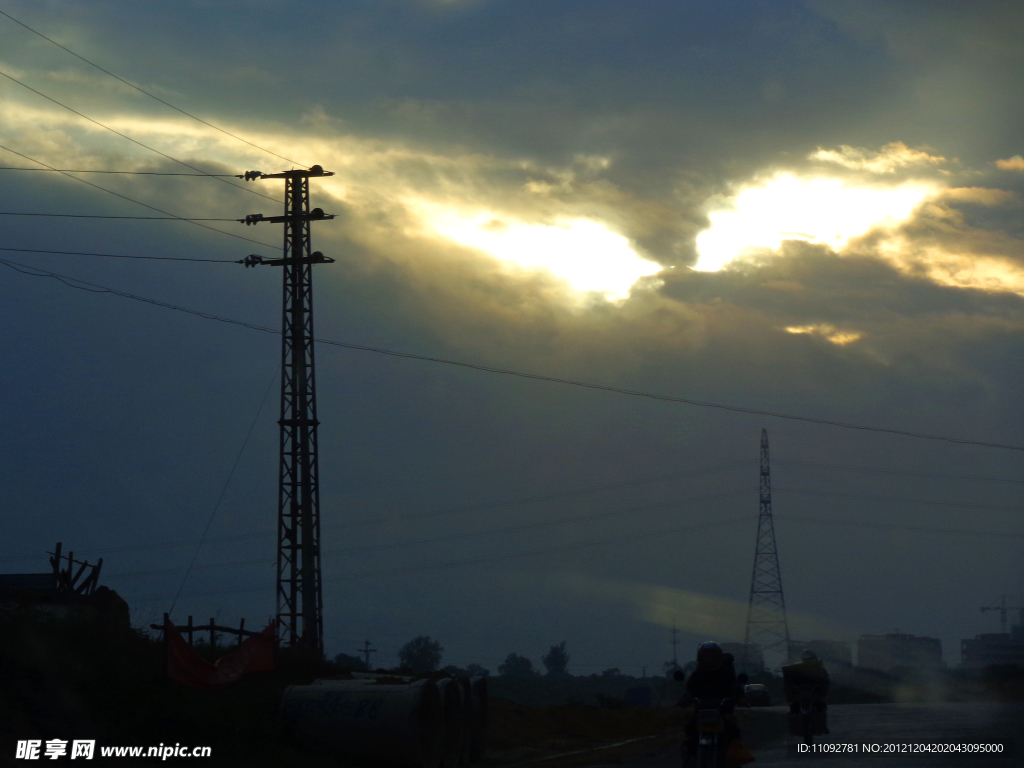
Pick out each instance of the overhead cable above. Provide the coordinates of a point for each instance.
(137, 202)
(134, 141)
(93, 288)
(899, 500)
(147, 93)
(98, 216)
(119, 255)
(541, 497)
(902, 472)
(471, 534)
(820, 520)
(544, 523)
(890, 526)
(124, 173)
(103, 550)
(477, 560)
(224, 490)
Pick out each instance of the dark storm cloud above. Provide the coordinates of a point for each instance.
(529, 111)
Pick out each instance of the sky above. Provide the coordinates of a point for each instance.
(810, 208)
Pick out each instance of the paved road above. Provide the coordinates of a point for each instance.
(889, 723)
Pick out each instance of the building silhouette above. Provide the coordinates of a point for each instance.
(887, 652)
(995, 648)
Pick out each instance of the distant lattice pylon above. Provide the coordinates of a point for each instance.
(767, 627)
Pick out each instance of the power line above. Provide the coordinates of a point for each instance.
(544, 524)
(823, 521)
(900, 500)
(119, 255)
(532, 499)
(97, 216)
(546, 550)
(93, 288)
(476, 560)
(224, 490)
(141, 547)
(134, 141)
(188, 569)
(852, 468)
(147, 93)
(137, 202)
(889, 526)
(434, 513)
(556, 522)
(125, 173)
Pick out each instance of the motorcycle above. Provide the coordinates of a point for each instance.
(809, 719)
(712, 742)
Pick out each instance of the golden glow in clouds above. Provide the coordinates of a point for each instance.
(583, 252)
(827, 332)
(825, 211)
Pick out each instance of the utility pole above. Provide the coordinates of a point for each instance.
(299, 596)
(366, 650)
(766, 612)
(675, 644)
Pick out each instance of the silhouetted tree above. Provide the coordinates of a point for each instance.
(516, 666)
(475, 670)
(557, 660)
(345, 661)
(611, 673)
(421, 655)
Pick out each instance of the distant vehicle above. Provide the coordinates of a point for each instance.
(757, 695)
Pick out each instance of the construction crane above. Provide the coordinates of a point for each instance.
(1002, 607)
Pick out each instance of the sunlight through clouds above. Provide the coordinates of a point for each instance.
(827, 332)
(583, 252)
(820, 210)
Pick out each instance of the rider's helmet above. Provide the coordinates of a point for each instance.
(709, 655)
(808, 655)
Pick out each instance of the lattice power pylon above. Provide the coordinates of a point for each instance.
(299, 596)
(766, 615)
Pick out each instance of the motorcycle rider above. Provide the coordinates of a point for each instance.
(715, 679)
(808, 673)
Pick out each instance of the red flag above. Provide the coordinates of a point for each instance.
(256, 654)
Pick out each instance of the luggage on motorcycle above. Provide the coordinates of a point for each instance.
(818, 724)
(738, 754)
(796, 724)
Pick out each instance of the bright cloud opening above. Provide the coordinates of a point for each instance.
(583, 252)
(827, 332)
(1015, 163)
(888, 159)
(818, 210)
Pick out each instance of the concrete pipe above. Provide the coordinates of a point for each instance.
(400, 725)
(454, 725)
(478, 734)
